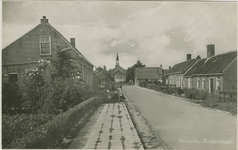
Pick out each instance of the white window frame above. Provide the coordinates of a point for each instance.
(198, 83)
(189, 82)
(203, 82)
(45, 42)
(217, 82)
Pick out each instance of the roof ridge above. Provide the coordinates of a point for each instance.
(231, 51)
(186, 61)
(69, 43)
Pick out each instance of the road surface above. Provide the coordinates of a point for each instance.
(182, 125)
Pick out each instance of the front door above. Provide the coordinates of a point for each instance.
(211, 86)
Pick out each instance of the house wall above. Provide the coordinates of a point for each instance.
(204, 83)
(186, 81)
(24, 52)
(230, 77)
(176, 79)
(119, 77)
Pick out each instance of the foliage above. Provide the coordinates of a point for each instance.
(179, 91)
(63, 64)
(51, 133)
(104, 76)
(60, 95)
(14, 127)
(195, 94)
(143, 83)
(11, 97)
(34, 83)
(131, 71)
(65, 88)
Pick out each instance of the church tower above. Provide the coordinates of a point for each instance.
(117, 60)
(118, 72)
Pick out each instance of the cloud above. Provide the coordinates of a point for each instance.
(154, 32)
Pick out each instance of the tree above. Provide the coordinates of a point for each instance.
(65, 89)
(105, 77)
(131, 71)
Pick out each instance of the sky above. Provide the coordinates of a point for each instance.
(154, 32)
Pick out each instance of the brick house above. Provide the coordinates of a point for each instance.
(118, 72)
(38, 44)
(174, 75)
(214, 73)
(150, 74)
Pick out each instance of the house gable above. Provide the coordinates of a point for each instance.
(118, 68)
(27, 48)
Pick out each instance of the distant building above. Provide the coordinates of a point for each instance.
(175, 74)
(38, 44)
(118, 72)
(150, 74)
(214, 73)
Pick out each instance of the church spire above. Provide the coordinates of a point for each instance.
(117, 59)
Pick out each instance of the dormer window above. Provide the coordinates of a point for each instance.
(45, 45)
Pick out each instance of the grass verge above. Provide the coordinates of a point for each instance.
(148, 138)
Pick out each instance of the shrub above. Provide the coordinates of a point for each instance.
(179, 91)
(60, 94)
(196, 94)
(14, 127)
(143, 83)
(63, 91)
(51, 133)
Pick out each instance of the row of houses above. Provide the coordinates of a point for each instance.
(213, 74)
(38, 44)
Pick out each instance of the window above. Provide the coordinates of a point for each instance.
(218, 84)
(179, 82)
(45, 45)
(189, 82)
(198, 83)
(13, 77)
(203, 83)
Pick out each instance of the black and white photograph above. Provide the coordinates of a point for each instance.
(117, 74)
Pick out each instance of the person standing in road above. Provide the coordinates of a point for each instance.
(119, 91)
(109, 95)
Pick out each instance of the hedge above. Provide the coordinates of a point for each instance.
(51, 133)
(17, 126)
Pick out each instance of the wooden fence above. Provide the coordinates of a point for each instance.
(227, 95)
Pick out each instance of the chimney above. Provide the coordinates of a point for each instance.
(189, 56)
(72, 41)
(161, 66)
(169, 67)
(210, 50)
(44, 20)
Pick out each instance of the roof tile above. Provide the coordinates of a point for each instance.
(213, 65)
(148, 73)
(182, 67)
